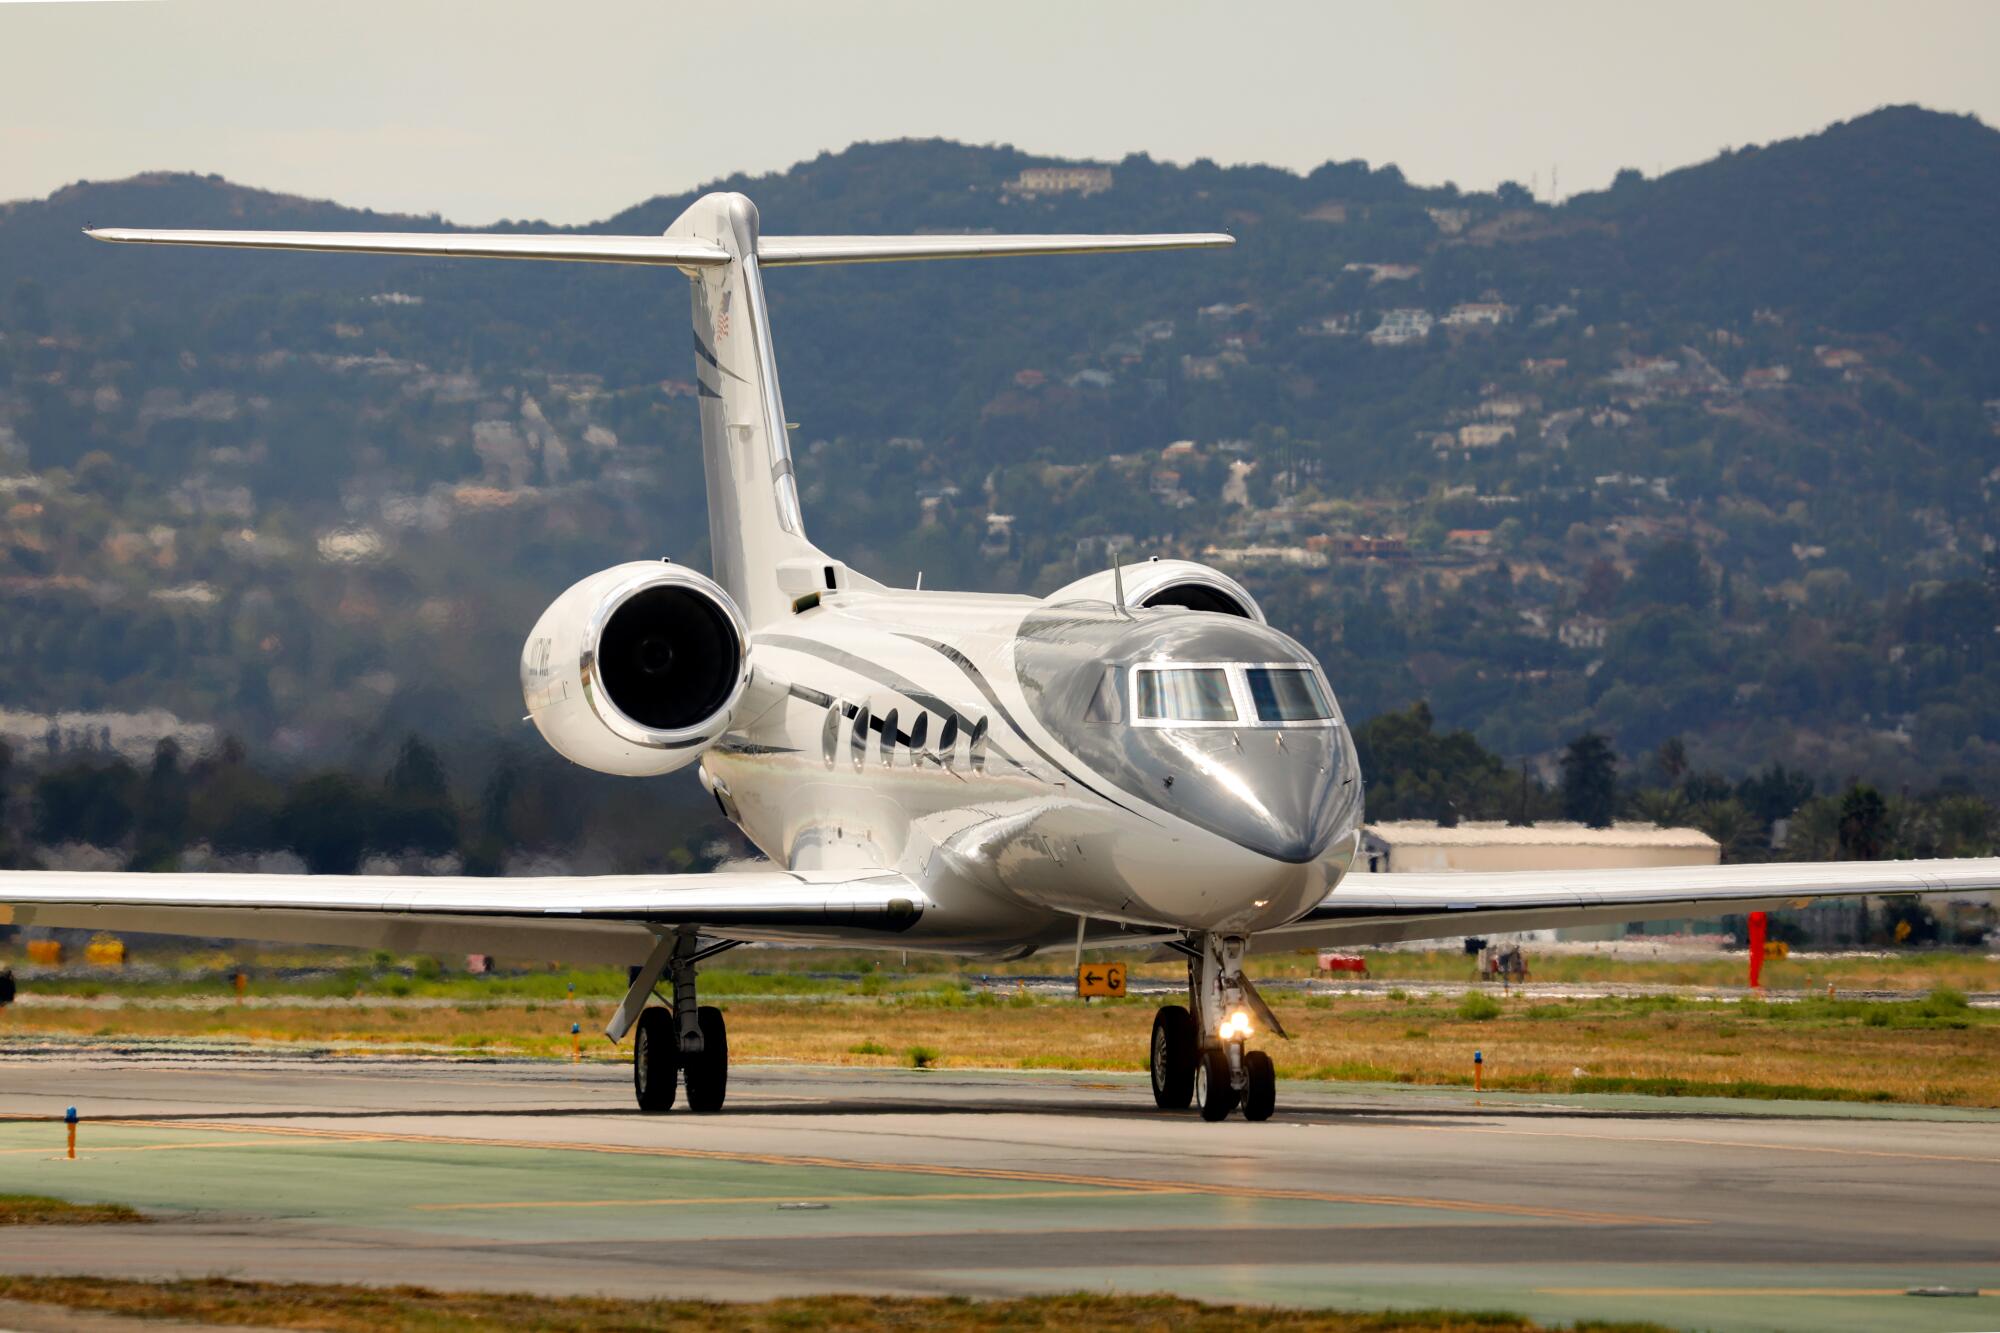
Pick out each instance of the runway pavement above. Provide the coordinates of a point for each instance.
(530, 1176)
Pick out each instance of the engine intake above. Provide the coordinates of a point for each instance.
(637, 669)
(1162, 583)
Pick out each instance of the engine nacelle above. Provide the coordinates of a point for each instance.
(1182, 583)
(636, 670)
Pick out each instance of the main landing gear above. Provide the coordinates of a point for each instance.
(1198, 1056)
(685, 1044)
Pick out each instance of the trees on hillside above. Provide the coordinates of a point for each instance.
(1590, 780)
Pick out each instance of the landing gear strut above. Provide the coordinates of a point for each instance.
(1199, 1056)
(685, 1043)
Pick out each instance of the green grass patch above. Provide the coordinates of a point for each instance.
(36, 1210)
(353, 1309)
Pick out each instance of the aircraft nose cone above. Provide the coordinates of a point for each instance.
(1291, 813)
(1278, 793)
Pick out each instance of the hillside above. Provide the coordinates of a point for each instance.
(1709, 455)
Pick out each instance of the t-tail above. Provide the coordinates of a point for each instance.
(757, 536)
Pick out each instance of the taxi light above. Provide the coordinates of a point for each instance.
(1234, 1026)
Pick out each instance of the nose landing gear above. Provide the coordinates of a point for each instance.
(1200, 1056)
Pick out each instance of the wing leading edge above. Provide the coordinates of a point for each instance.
(1384, 909)
(579, 918)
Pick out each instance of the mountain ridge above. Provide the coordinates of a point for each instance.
(1707, 358)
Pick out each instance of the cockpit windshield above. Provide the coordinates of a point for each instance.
(1287, 694)
(1185, 694)
(1229, 694)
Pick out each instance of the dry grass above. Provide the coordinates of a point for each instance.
(35, 1210)
(1929, 1051)
(365, 1309)
(806, 972)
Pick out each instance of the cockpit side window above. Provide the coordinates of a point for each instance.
(1184, 694)
(1107, 705)
(1287, 694)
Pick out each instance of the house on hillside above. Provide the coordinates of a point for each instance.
(1483, 434)
(1378, 273)
(1060, 180)
(1401, 326)
(1479, 314)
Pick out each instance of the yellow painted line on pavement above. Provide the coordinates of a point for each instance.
(1690, 1142)
(958, 1173)
(954, 1197)
(1731, 1291)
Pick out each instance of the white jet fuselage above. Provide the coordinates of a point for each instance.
(986, 746)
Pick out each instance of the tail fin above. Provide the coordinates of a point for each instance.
(756, 533)
(757, 537)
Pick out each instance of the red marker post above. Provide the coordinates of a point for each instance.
(1759, 931)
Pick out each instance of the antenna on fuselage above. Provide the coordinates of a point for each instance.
(1117, 583)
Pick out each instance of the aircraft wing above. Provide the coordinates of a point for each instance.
(1382, 909)
(609, 918)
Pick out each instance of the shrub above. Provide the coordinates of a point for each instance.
(1477, 1007)
(1945, 1002)
(921, 1057)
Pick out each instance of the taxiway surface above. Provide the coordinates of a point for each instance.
(529, 1176)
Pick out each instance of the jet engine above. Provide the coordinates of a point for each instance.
(1158, 583)
(636, 670)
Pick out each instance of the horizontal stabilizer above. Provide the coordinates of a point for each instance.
(672, 251)
(776, 250)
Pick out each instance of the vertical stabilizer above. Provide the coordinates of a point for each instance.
(756, 534)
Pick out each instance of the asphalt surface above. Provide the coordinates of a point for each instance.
(538, 1177)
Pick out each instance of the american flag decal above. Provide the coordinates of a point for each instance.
(722, 320)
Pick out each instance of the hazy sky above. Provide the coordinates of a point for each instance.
(568, 112)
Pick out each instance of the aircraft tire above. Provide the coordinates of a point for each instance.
(1260, 1094)
(1174, 1052)
(655, 1060)
(707, 1072)
(1211, 1086)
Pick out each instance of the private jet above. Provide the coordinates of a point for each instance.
(1139, 760)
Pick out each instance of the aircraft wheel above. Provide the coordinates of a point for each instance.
(656, 1060)
(1174, 1053)
(707, 1071)
(1211, 1085)
(1260, 1094)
